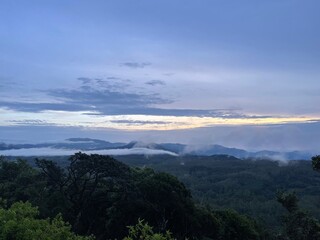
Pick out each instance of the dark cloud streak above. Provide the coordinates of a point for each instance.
(85, 80)
(98, 96)
(136, 64)
(155, 82)
(38, 107)
(35, 122)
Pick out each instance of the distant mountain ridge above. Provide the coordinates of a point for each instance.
(89, 144)
(71, 143)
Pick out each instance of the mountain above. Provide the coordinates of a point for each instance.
(171, 147)
(218, 150)
(89, 144)
(70, 143)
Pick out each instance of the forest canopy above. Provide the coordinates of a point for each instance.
(96, 196)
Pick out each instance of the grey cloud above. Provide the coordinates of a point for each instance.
(107, 97)
(29, 122)
(132, 110)
(155, 82)
(130, 104)
(47, 151)
(110, 83)
(119, 84)
(107, 100)
(113, 78)
(136, 64)
(100, 98)
(38, 107)
(84, 80)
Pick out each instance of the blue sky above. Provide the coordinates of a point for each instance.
(162, 70)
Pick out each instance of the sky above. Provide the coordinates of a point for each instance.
(238, 73)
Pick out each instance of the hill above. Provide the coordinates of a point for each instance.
(71, 145)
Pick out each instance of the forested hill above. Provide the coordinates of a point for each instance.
(100, 196)
(248, 186)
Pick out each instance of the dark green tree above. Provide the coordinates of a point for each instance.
(20, 222)
(298, 225)
(238, 227)
(88, 188)
(316, 162)
(144, 231)
(101, 196)
(20, 182)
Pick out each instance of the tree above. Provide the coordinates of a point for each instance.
(238, 227)
(101, 196)
(20, 222)
(298, 225)
(288, 200)
(88, 188)
(168, 204)
(19, 181)
(143, 231)
(316, 162)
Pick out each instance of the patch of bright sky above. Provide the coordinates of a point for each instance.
(135, 122)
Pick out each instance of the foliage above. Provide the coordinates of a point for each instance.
(99, 195)
(288, 200)
(316, 162)
(87, 189)
(143, 231)
(19, 181)
(238, 227)
(20, 222)
(298, 225)
(246, 185)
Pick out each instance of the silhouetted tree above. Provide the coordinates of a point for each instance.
(298, 225)
(316, 162)
(88, 187)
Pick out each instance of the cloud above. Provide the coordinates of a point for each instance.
(113, 78)
(104, 97)
(25, 122)
(42, 106)
(109, 96)
(139, 122)
(113, 84)
(66, 152)
(106, 102)
(85, 80)
(155, 82)
(110, 83)
(136, 64)
(121, 110)
(116, 96)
